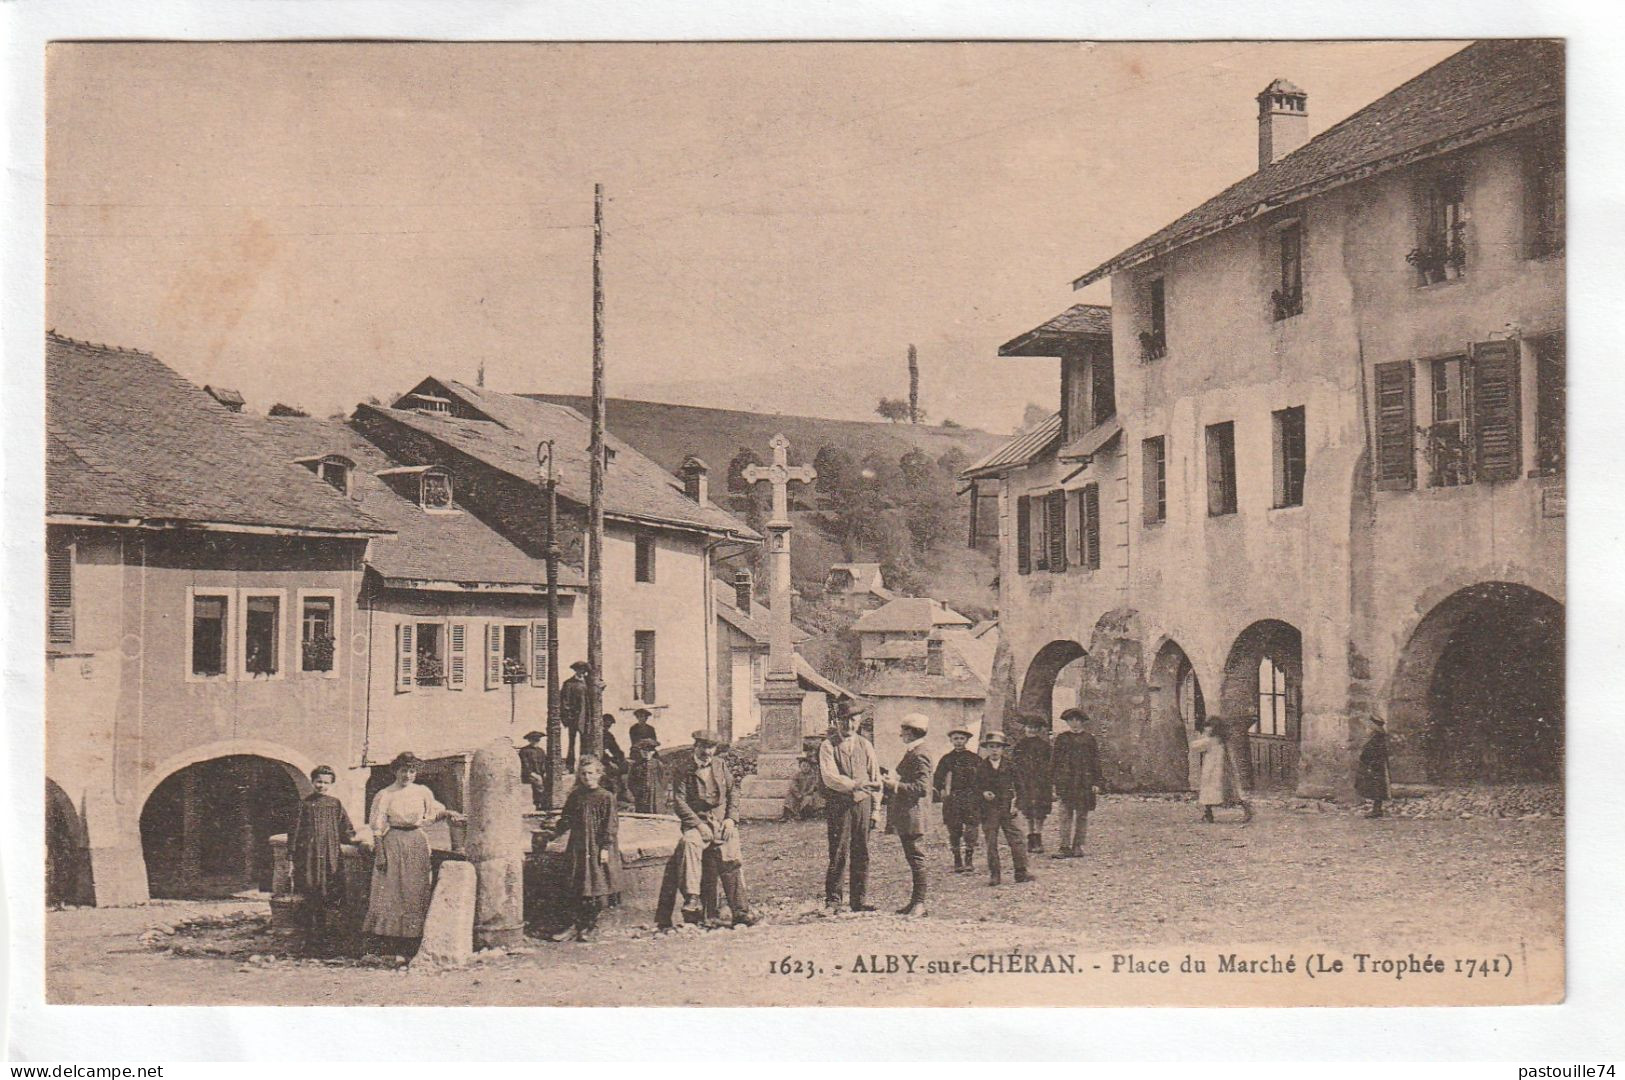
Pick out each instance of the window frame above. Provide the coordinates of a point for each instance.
(1287, 296)
(1542, 347)
(1285, 475)
(228, 665)
(1545, 160)
(644, 557)
(1154, 510)
(345, 467)
(440, 473)
(244, 596)
(1431, 435)
(335, 595)
(645, 685)
(1440, 255)
(511, 677)
(1225, 450)
(1280, 700)
(1154, 338)
(442, 655)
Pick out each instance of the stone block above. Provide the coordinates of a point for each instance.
(761, 809)
(765, 787)
(448, 932)
(777, 765)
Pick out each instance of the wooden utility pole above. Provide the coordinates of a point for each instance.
(554, 791)
(913, 386)
(592, 733)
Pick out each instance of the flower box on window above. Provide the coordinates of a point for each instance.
(430, 671)
(514, 671)
(1153, 346)
(318, 653)
(1288, 302)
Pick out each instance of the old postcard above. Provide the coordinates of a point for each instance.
(961, 524)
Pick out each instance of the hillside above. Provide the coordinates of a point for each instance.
(669, 433)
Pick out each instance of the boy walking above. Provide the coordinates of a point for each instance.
(954, 786)
(996, 781)
(1033, 782)
(1075, 766)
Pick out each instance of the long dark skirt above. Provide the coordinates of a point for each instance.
(402, 881)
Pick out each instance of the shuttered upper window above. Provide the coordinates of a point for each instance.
(1055, 530)
(1396, 425)
(59, 591)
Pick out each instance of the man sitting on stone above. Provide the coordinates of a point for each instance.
(705, 798)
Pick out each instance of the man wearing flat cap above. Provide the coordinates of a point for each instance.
(906, 792)
(850, 774)
(573, 707)
(705, 798)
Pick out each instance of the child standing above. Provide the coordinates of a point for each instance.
(1076, 768)
(954, 786)
(316, 853)
(647, 778)
(1221, 776)
(591, 858)
(1034, 793)
(996, 780)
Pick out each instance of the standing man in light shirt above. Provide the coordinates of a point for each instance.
(850, 774)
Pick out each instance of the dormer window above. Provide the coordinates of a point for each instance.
(434, 490)
(335, 471)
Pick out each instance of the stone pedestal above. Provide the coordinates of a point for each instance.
(762, 798)
(448, 931)
(495, 844)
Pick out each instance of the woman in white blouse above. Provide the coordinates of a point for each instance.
(402, 877)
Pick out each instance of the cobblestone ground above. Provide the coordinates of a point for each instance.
(1153, 879)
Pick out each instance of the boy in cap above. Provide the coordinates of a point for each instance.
(533, 767)
(641, 728)
(315, 851)
(1034, 791)
(905, 810)
(996, 781)
(1075, 766)
(1371, 777)
(954, 786)
(573, 707)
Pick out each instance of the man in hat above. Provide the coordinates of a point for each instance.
(705, 798)
(613, 759)
(646, 777)
(573, 707)
(533, 767)
(954, 786)
(850, 774)
(996, 781)
(641, 728)
(1034, 793)
(905, 805)
(1371, 777)
(1075, 768)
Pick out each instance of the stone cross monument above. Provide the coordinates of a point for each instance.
(780, 752)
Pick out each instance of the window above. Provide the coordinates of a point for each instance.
(1291, 453)
(209, 637)
(1288, 295)
(644, 557)
(1221, 469)
(1055, 529)
(1550, 401)
(435, 491)
(262, 634)
(515, 655)
(1088, 392)
(59, 590)
(1154, 338)
(1396, 425)
(643, 666)
(317, 631)
(1543, 184)
(1272, 699)
(336, 472)
(1442, 253)
(1102, 387)
(1446, 446)
(431, 656)
(1084, 525)
(1039, 528)
(1154, 479)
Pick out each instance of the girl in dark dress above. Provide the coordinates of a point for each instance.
(315, 852)
(1371, 778)
(592, 859)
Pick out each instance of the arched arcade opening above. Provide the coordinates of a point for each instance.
(1478, 693)
(206, 828)
(1263, 688)
(1054, 679)
(1176, 702)
(67, 850)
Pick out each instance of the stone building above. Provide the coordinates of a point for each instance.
(948, 685)
(857, 586)
(899, 629)
(1309, 466)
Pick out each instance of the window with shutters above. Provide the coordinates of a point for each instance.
(1291, 454)
(262, 634)
(1395, 425)
(209, 632)
(1154, 479)
(431, 658)
(1550, 403)
(515, 653)
(643, 666)
(1544, 209)
(1024, 535)
(1038, 514)
(1221, 469)
(644, 557)
(1441, 251)
(318, 631)
(1055, 529)
(59, 590)
(538, 653)
(1446, 438)
(1497, 418)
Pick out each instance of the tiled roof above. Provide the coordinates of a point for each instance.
(634, 486)
(1487, 88)
(920, 685)
(1024, 449)
(129, 438)
(866, 576)
(920, 613)
(1080, 322)
(427, 547)
(753, 625)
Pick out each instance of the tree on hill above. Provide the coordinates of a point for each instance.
(1033, 415)
(836, 470)
(737, 484)
(954, 461)
(893, 409)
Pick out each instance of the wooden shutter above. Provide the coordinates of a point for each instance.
(538, 654)
(1024, 535)
(1055, 529)
(493, 656)
(1074, 526)
(975, 497)
(59, 589)
(1497, 428)
(456, 655)
(643, 643)
(406, 657)
(1396, 425)
(1090, 513)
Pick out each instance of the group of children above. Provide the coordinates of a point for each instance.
(637, 779)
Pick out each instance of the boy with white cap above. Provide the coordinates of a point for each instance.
(905, 809)
(955, 788)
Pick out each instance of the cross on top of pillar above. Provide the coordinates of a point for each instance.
(780, 474)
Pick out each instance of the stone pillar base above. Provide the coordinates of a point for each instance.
(119, 875)
(762, 797)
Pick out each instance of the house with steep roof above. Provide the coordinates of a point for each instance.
(663, 536)
(1328, 480)
(900, 629)
(203, 651)
(948, 684)
(857, 586)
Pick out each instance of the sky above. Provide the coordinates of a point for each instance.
(320, 223)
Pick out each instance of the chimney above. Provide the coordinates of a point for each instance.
(1283, 121)
(696, 479)
(933, 657)
(742, 590)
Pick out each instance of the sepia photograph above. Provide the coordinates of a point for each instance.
(951, 523)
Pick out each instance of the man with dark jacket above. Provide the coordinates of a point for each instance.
(905, 805)
(533, 767)
(573, 707)
(1371, 777)
(641, 728)
(954, 786)
(1033, 783)
(1075, 769)
(705, 798)
(996, 781)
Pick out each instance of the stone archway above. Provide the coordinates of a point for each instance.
(1038, 687)
(206, 827)
(1176, 703)
(1263, 689)
(68, 877)
(1477, 695)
